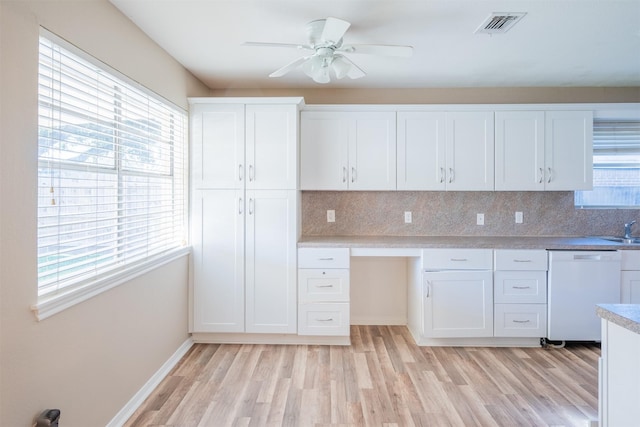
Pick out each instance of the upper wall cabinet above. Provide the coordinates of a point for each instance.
(538, 150)
(451, 151)
(348, 150)
(250, 146)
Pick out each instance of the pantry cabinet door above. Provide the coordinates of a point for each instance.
(217, 146)
(218, 261)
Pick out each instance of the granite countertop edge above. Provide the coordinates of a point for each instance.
(624, 315)
(480, 242)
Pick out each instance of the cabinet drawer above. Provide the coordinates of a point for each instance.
(630, 260)
(520, 287)
(324, 319)
(520, 320)
(323, 258)
(521, 260)
(457, 259)
(329, 285)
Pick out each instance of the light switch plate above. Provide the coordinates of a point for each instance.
(518, 217)
(480, 219)
(407, 217)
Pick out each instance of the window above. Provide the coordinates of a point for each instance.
(616, 165)
(111, 172)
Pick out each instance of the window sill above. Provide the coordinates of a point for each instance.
(47, 306)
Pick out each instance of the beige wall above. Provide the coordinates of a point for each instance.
(88, 360)
(522, 95)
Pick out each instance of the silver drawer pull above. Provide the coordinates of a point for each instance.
(521, 321)
(521, 260)
(459, 259)
(324, 286)
(330, 319)
(325, 259)
(522, 287)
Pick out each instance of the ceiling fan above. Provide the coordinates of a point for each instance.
(327, 49)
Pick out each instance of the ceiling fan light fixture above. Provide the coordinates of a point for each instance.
(340, 67)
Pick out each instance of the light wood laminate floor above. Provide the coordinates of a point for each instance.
(382, 379)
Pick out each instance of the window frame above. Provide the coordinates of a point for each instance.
(632, 113)
(74, 292)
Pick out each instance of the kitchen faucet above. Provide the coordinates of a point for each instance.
(627, 229)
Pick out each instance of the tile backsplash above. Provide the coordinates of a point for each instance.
(434, 213)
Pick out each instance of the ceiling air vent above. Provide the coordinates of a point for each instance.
(499, 23)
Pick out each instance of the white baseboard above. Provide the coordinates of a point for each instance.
(127, 411)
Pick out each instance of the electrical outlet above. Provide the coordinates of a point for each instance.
(518, 217)
(331, 216)
(407, 217)
(480, 219)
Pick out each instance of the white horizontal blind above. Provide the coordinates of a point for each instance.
(111, 172)
(616, 165)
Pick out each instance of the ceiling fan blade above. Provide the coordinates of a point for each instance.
(334, 29)
(379, 49)
(355, 72)
(289, 67)
(289, 45)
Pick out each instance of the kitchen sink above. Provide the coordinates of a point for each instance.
(631, 241)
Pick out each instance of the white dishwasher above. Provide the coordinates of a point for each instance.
(577, 281)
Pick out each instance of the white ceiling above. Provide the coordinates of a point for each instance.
(558, 42)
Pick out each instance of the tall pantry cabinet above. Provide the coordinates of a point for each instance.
(244, 223)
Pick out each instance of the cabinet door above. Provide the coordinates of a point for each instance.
(470, 151)
(271, 147)
(569, 150)
(271, 261)
(630, 287)
(218, 261)
(519, 150)
(324, 142)
(372, 151)
(458, 304)
(421, 151)
(217, 151)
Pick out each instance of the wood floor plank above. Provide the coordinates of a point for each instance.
(382, 379)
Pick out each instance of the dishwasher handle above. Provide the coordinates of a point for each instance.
(589, 257)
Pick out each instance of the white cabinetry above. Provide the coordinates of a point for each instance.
(323, 290)
(244, 216)
(537, 150)
(348, 150)
(445, 151)
(520, 293)
(630, 276)
(619, 381)
(458, 293)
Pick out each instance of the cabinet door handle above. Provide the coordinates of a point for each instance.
(353, 174)
(250, 206)
(541, 176)
(428, 289)
(550, 174)
(441, 175)
(239, 205)
(325, 259)
(240, 172)
(521, 321)
(328, 319)
(521, 260)
(324, 286)
(344, 174)
(459, 259)
(522, 287)
(251, 176)
(450, 175)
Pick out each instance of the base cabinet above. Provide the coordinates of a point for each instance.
(619, 377)
(630, 277)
